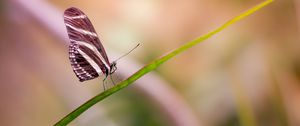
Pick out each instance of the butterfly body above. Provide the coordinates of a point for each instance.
(86, 53)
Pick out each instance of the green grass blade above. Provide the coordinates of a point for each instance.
(151, 66)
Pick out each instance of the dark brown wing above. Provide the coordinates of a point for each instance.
(87, 55)
(80, 21)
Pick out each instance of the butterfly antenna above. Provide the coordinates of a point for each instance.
(127, 53)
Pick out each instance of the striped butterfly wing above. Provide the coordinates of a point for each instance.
(86, 53)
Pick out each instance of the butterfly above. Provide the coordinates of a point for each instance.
(86, 53)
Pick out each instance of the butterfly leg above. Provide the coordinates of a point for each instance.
(104, 87)
(110, 76)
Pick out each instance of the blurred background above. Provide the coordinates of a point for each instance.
(248, 74)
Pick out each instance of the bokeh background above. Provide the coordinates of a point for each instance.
(248, 74)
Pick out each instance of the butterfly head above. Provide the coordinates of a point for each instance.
(113, 67)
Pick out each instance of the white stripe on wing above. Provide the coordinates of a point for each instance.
(75, 17)
(82, 30)
(91, 61)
